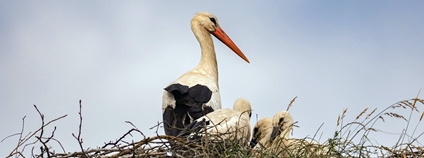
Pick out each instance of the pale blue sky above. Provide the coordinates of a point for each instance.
(118, 56)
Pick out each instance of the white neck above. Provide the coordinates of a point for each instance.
(207, 62)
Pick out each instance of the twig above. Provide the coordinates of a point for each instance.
(79, 131)
(46, 148)
(26, 138)
(122, 137)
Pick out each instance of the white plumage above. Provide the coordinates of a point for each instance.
(280, 140)
(282, 124)
(272, 133)
(261, 133)
(226, 123)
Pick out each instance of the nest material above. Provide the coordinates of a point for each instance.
(169, 146)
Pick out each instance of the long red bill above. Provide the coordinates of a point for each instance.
(223, 37)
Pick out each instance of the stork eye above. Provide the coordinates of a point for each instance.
(213, 20)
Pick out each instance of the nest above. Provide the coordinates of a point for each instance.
(220, 145)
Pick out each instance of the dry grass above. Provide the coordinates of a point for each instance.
(349, 140)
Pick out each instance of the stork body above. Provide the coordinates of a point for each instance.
(280, 140)
(261, 133)
(196, 93)
(224, 123)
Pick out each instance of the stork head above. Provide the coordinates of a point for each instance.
(243, 105)
(282, 125)
(205, 21)
(261, 131)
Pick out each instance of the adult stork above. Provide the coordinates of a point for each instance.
(196, 93)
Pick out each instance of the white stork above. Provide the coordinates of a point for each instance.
(261, 133)
(282, 123)
(224, 123)
(196, 93)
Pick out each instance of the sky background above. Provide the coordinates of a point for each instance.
(117, 56)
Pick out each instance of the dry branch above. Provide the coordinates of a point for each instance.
(22, 141)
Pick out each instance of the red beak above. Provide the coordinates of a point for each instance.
(223, 37)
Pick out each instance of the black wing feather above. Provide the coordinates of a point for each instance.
(189, 103)
(200, 94)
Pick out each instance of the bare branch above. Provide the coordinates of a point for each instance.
(25, 139)
(79, 131)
